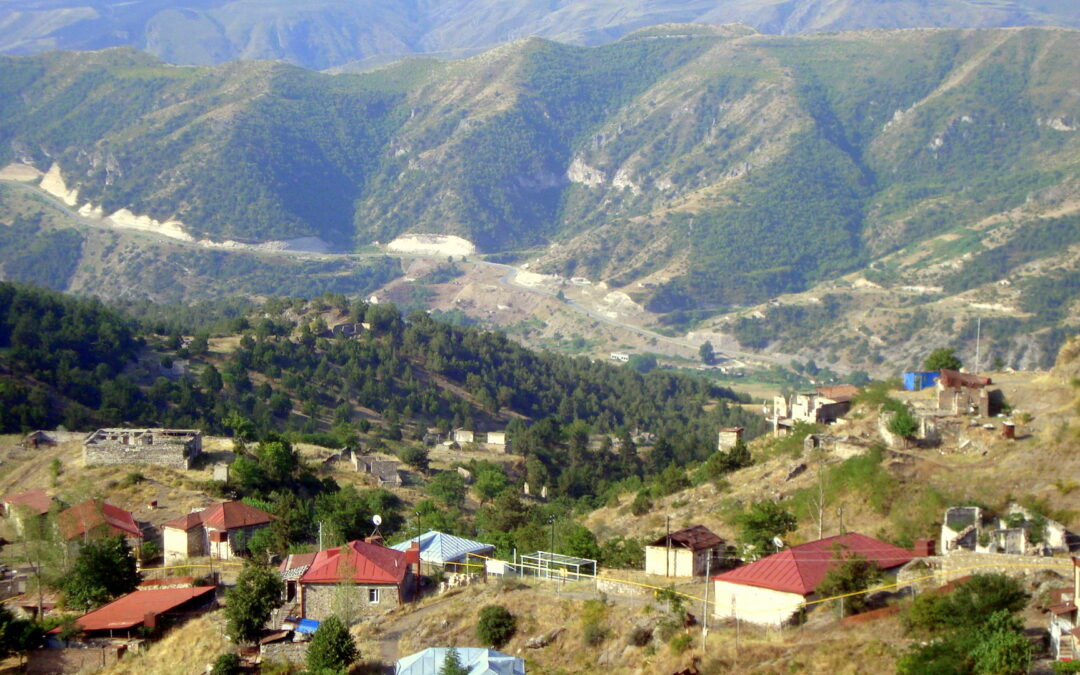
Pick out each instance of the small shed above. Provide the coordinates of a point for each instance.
(917, 381)
(454, 554)
(685, 553)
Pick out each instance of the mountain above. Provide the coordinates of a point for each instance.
(327, 33)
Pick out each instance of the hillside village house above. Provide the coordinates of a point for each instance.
(220, 531)
(1018, 532)
(685, 553)
(173, 448)
(27, 504)
(365, 575)
(94, 519)
(824, 405)
(1064, 620)
(963, 393)
(772, 590)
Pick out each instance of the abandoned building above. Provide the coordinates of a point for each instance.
(689, 552)
(963, 393)
(173, 448)
(1065, 619)
(1018, 532)
(729, 437)
(824, 405)
(386, 471)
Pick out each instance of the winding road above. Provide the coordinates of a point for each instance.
(507, 279)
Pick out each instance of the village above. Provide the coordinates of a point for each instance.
(191, 549)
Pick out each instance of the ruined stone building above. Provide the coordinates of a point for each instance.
(824, 405)
(174, 448)
(1017, 532)
(963, 393)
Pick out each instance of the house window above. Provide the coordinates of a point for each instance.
(373, 595)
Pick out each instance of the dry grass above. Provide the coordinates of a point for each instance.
(186, 649)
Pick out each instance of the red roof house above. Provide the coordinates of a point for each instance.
(35, 501)
(685, 553)
(94, 518)
(380, 577)
(772, 590)
(144, 608)
(220, 531)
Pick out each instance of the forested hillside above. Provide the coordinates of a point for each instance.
(780, 162)
(75, 362)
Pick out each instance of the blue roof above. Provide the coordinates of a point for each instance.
(477, 660)
(437, 547)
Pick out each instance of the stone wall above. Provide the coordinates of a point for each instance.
(73, 660)
(945, 568)
(293, 652)
(174, 449)
(319, 600)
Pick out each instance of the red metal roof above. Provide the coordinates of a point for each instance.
(801, 568)
(37, 500)
(94, 515)
(357, 562)
(952, 378)
(224, 516)
(694, 538)
(132, 609)
(839, 392)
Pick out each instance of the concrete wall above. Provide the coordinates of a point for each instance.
(762, 606)
(179, 545)
(318, 600)
(171, 455)
(680, 564)
(73, 660)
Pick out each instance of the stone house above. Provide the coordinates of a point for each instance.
(463, 436)
(824, 405)
(27, 504)
(38, 439)
(386, 471)
(689, 552)
(1018, 532)
(772, 591)
(963, 393)
(220, 531)
(1064, 620)
(496, 438)
(729, 437)
(366, 575)
(173, 448)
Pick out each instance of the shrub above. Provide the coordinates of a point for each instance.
(639, 636)
(227, 664)
(496, 626)
(332, 647)
(680, 643)
(132, 478)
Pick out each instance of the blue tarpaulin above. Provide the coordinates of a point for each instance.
(307, 626)
(919, 381)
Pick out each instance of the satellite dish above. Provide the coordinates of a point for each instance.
(377, 519)
(778, 543)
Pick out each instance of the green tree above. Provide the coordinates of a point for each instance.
(763, 522)
(415, 456)
(942, 358)
(452, 663)
(448, 487)
(1001, 647)
(18, 636)
(227, 664)
(496, 626)
(104, 569)
(706, 352)
(903, 423)
(579, 541)
(210, 379)
(489, 484)
(249, 603)
(332, 648)
(850, 574)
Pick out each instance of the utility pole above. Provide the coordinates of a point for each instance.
(978, 339)
(320, 535)
(667, 542)
(705, 603)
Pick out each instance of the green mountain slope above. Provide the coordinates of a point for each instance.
(719, 165)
